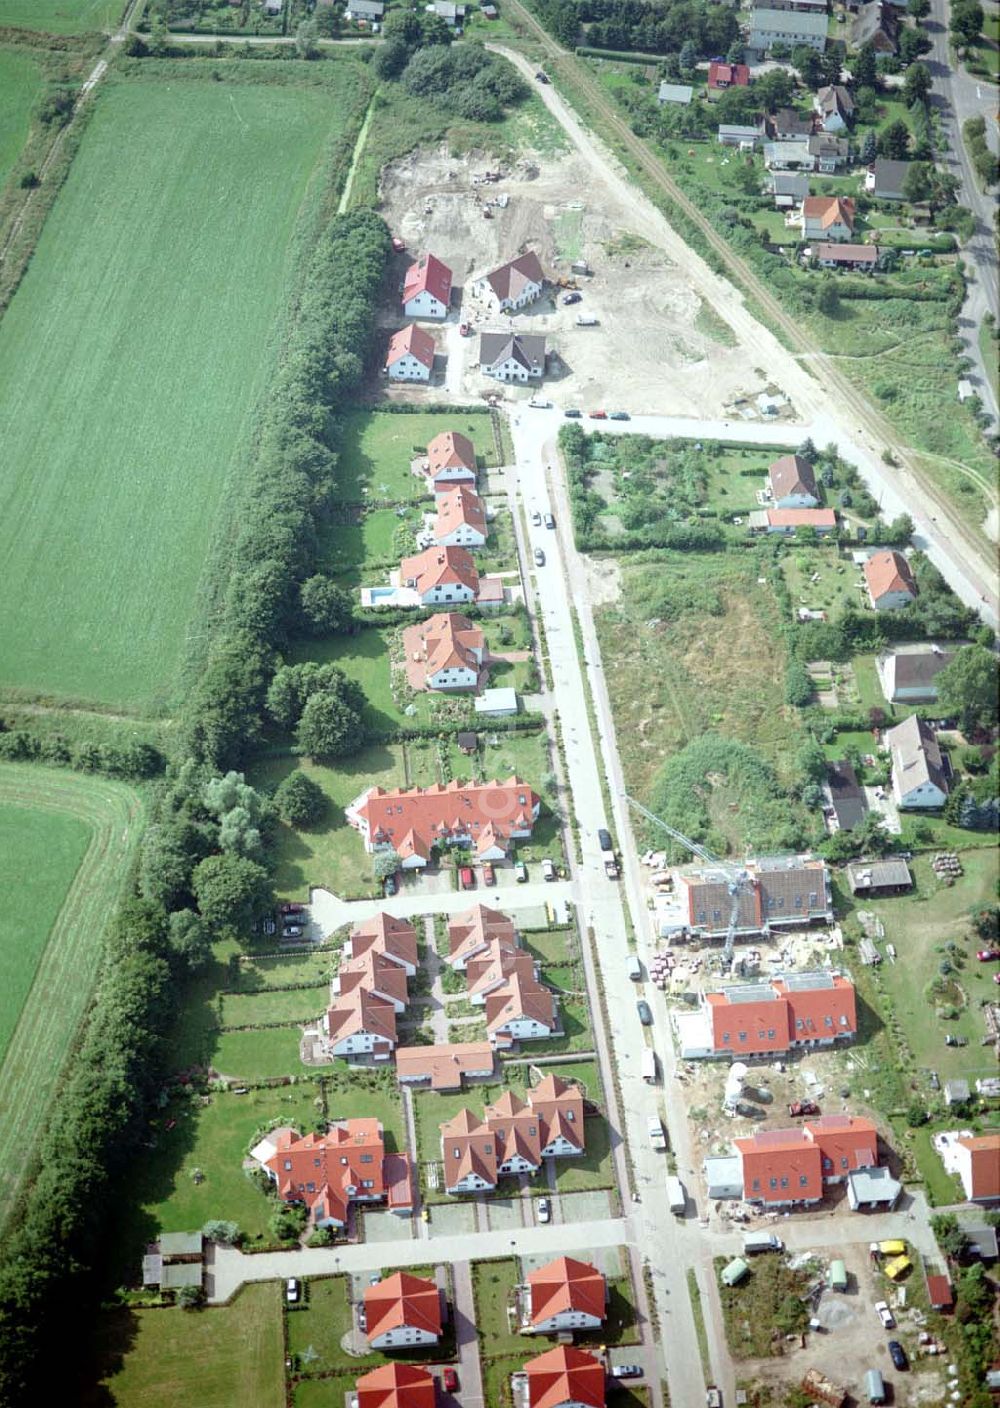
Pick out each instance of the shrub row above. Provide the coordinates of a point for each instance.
(126, 760)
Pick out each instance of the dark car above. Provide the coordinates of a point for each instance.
(898, 1355)
(549, 521)
(293, 908)
(569, 298)
(539, 557)
(604, 839)
(803, 1107)
(389, 885)
(572, 413)
(542, 77)
(619, 415)
(645, 1013)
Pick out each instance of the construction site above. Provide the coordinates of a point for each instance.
(635, 333)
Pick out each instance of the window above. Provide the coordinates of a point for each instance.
(755, 1185)
(310, 1187)
(570, 1116)
(316, 1163)
(366, 1158)
(743, 1036)
(773, 1182)
(843, 1163)
(803, 1180)
(784, 1182)
(288, 1165)
(770, 1032)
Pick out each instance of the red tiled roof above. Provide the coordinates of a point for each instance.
(845, 1142)
(468, 1147)
(780, 1166)
(439, 567)
(395, 938)
(791, 474)
(397, 1170)
(428, 275)
(460, 507)
(774, 1023)
(320, 1169)
(436, 813)
(414, 340)
(361, 1011)
(498, 961)
(476, 928)
(402, 1300)
(984, 1157)
(802, 517)
(516, 1128)
(444, 1065)
(566, 1284)
(728, 75)
(445, 641)
(396, 1386)
(888, 572)
(520, 997)
(377, 973)
(565, 1375)
(559, 1106)
(820, 1012)
(451, 450)
(829, 210)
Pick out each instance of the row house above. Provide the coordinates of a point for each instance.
(770, 1018)
(370, 990)
(513, 1137)
(501, 977)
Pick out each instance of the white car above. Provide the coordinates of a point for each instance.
(536, 518)
(626, 1371)
(291, 1291)
(544, 1210)
(885, 1315)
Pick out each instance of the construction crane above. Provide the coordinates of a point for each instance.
(737, 877)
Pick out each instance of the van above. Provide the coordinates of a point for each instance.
(676, 1195)
(837, 1276)
(648, 1068)
(874, 1387)
(548, 870)
(754, 1242)
(893, 1248)
(633, 968)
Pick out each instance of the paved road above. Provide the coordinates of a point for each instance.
(957, 97)
(231, 1268)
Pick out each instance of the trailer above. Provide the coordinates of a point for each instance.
(649, 1065)
(676, 1195)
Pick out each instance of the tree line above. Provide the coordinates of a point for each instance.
(634, 25)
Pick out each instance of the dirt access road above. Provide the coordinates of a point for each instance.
(828, 398)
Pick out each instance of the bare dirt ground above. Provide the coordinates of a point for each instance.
(645, 351)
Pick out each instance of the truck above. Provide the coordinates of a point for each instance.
(657, 1137)
(676, 1195)
(754, 1242)
(608, 853)
(648, 1067)
(823, 1390)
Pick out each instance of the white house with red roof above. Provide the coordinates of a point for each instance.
(521, 1009)
(792, 483)
(326, 1172)
(395, 939)
(396, 1386)
(513, 1137)
(450, 460)
(410, 355)
(563, 1295)
(446, 652)
(795, 1166)
(485, 816)
(829, 218)
(359, 1024)
(976, 1157)
(403, 1311)
(564, 1377)
(427, 288)
(460, 520)
(440, 575)
(889, 581)
(770, 1017)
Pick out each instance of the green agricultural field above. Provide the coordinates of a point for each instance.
(131, 360)
(65, 845)
(228, 1354)
(61, 16)
(20, 87)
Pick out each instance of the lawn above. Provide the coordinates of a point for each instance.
(364, 658)
(493, 1283)
(61, 16)
(376, 448)
(323, 1393)
(215, 1138)
(250, 1009)
(66, 842)
(20, 87)
(115, 382)
(257, 1055)
(595, 1169)
(920, 925)
(221, 1356)
(277, 971)
(314, 1332)
(820, 579)
(496, 1378)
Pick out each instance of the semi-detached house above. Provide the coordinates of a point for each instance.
(403, 1311)
(510, 356)
(513, 285)
(396, 1386)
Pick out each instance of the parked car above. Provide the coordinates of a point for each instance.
(572, 413)
(489, 874)
(885, 1315)
(803, 1107)
(549, 521)
(619, 415)
(569, 298)
(988, 955)
(362, 1317)
(626, 1371)
(898, 1355)
(539, 557)
(633, 967)
(544, 1210)
(713, 1397)
(466, 878)
(645, 1013)
(269, 925)
(536, 518)
(293, 931)
(521, 873)
(425, 1214)
(542, 76)
(291, 1291)
(450, 1379)
(548, 869)
(598, 415)
(293, 909)
(390, 884)
(465, 329)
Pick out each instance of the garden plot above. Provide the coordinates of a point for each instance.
(647, 352)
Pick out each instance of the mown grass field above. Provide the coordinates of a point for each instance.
(61, 16)
(229, 1354)
(65, 844)
(130, 362)
(20, 86)
(376, 448)
(40, 853)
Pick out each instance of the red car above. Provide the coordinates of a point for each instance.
(988, 955)
(466, 878)
(489, 875)
(450, 1380)
(803, 1107)
(398, 244)
(598, 415)
(293, 909)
